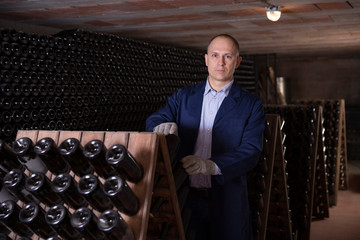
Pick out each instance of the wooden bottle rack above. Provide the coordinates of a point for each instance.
(149, 149)
(279, 222)
(270, 223)
(301, 128)
(321, 196)
(337, 160)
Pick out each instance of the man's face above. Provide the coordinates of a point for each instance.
(221, 60)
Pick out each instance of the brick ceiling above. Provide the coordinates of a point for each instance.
(305, 27)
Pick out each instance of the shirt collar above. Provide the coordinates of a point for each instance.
(225, 89)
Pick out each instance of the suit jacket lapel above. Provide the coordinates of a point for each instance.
(195, 101)
(229, 102)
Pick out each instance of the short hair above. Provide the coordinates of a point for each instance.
(228, 37)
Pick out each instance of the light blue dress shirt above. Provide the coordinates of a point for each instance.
(211, 103)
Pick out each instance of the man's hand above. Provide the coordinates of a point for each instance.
(195, 165)
(167, 128)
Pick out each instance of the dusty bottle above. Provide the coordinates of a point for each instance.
(113, 225)
(124, 163)
(72, 152)
(58, 217)
(49, 153)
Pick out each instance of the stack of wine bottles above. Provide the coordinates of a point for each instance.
(321, 194)
(301, 127)
(259, 181)
(106, 184)
(335, 143)
(84, 179)
(268, 188)
(79, 80)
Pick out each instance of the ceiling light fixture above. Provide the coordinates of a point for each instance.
(273, 13)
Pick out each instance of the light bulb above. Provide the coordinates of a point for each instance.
(273, 13)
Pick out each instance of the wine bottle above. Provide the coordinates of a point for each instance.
(58, 217)
(72, 152)
(56, 237)
(9, 215)
(14, 181)
(4, 192)
(5, 62)
(91, 188)
(95, 151)
(85, 221)
(66, 187)
(49, 153)
(40, 186)
(114, 226)
(34, 216)
(24, 149)
(8, 159)
(121, 195)
(124, 163)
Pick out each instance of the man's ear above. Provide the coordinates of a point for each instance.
(206, 59)
(239, 59)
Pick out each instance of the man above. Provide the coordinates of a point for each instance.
(220, 126)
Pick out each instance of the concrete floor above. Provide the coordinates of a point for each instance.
(344, 220)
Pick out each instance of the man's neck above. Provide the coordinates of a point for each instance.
(218, 85)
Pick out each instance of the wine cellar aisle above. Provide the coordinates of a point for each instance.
(343, 223)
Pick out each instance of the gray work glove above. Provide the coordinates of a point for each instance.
(167, 128)
(195, 165)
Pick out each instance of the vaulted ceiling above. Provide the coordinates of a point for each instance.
(305, 27)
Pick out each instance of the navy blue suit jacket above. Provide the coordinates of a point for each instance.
(237, 140)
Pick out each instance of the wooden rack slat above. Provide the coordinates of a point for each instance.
(342, 153)
(264, 192)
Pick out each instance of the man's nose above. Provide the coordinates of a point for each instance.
(221, 61)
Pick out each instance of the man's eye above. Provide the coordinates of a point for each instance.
(228, 57)
(214, 55)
